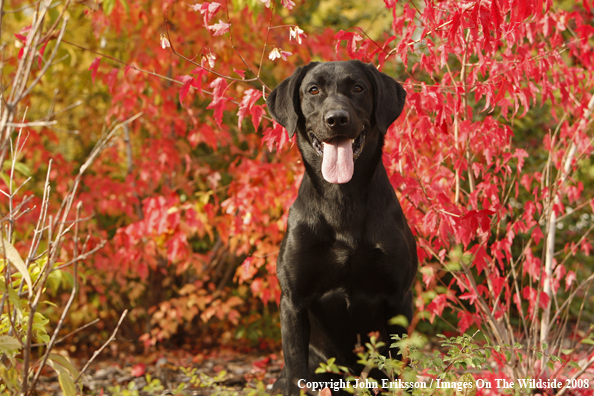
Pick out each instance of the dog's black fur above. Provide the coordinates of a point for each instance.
(347, 262)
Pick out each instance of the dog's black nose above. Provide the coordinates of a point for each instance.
(337, 118)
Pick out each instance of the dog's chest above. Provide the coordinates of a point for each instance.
(356, 266)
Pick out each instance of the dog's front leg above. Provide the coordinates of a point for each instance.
(295, 334)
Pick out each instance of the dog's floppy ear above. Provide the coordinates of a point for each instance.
(389, 98)
(284, 103)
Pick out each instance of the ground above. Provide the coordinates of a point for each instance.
(129, 375)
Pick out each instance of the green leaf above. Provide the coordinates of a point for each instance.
(587, 341)
(508, 356)
(12, 295)
(108, 6)
(15, 258)
(9, 344)
(574, 365)
(18, 166)
(551, 365)
(64, 377)
(65, 363)
(44, 338)
(399, 320)
(66, 383)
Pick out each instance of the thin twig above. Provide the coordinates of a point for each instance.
(97, 352)
(71, 333)
(266, 40)
(576, 375)
(138, 69)
(83, 256)
(52, 342)
(31, 124)
(48, 63)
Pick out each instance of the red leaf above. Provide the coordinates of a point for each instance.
(247, 265)
(218, 102)
(470, 295)
(177, 247)
(94, 66)
(437, 305)
(257, 112)
(466, 320)
(569, 279)
(351, 39)
(503, 85)
(21, 37)
(262, 363)
(250, 97)
(219, 28)
(537, 235)
(390, 3)
(138, 370)
(275, 136)
(241, 73)
(496, 16)
(199, 72)
(428, 276)
(183, 92)
(207, 9)
(481, 259)
(455, 26)
(111, 79)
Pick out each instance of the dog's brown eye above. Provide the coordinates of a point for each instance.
(358, 88)
(314, 90)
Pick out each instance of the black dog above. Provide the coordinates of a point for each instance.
(347, 262)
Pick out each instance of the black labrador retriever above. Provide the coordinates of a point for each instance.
(348, 259)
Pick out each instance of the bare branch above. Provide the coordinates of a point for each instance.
(71, 333)
(98, 352)
(32, 124)
(576, 375)
(52, 342)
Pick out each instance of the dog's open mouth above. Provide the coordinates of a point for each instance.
(338, 156)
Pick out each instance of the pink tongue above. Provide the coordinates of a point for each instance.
(337, 163)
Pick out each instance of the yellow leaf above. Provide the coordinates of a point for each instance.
(9, 344)
(15, 258)
(469, 388)
(66, 382)
(64, 362)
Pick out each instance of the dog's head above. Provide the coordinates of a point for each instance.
(336, 107)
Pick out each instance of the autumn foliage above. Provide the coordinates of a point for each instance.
(491, 161)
